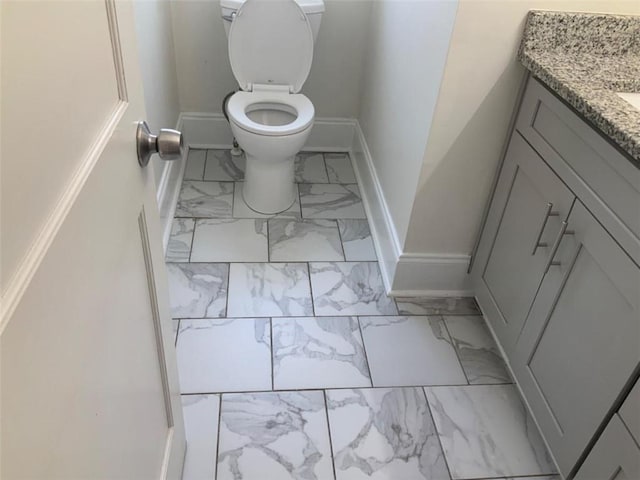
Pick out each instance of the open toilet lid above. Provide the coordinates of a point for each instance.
(271, 43)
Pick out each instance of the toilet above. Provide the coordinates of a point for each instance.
(270, 50)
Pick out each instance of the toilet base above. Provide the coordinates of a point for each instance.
(268, 184)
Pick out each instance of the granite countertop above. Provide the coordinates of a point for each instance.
(585, 58)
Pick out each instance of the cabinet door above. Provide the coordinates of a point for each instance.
(581, 342)
(528, 207)
(614, 457)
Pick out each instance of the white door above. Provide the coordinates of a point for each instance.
(89, 386)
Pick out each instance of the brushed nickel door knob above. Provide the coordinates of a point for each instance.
(169, 144)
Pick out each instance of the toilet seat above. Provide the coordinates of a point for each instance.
(296, 104)
(271, 43)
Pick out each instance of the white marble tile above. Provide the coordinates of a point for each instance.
(242, 210)
(230, 240)
(349, 288)
(410, 351)
(179, 246)
(274, 436)
(318, 353)
(221, 166)
(269, 290)
(478, 353)
(356, 240)
(194, 170)
(201, 413)
(205, 199)
(339, 168)
(331, 201)
(384, 434)
(292, 240)
(224, 355)
(486, 431)
(198, 290)
(309, 168)
(437, 306)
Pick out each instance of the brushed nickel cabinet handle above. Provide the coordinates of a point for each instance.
(549, 213)
(556, 246)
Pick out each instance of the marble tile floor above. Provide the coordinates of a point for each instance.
(295, 364)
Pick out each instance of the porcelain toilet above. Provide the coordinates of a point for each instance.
(270, 50)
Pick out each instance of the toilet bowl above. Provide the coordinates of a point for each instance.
(271, 127)
(270, 50)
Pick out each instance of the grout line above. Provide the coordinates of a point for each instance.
(273, 381)
(326, 169)
(193, 236)
(175, 340)
(326, 411)
(453, 345)
(313, 302)
(435, 429)
(268, 221)
(344, 255)
(379, 387)
(215, 476)
(226, 303)
(364, 347)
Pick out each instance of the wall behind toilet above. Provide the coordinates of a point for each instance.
(204, 72)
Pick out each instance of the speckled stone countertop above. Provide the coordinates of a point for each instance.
(586, 58)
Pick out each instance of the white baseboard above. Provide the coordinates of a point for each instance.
(211, 130)
(432, 275)
(169, 189)
(403, 274)
(385, 237)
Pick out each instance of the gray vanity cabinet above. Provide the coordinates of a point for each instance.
(579, 345)
(614, 457)
(526, 215)
(570, 332)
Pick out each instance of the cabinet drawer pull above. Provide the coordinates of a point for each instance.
(556, 245)
(549, 213)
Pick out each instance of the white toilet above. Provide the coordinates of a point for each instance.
(271, 49)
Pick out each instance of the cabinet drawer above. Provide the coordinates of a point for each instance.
(604, 179)
(615, 456)
(630, 412)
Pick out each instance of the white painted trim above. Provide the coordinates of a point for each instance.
(403, 274)
(211, 130)
(432, 275)
(18, 283)
(169, 189)
(383, 232)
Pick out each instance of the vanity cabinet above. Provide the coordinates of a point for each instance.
(557, 276)
(614, 457)
(535, 203)
(579, 345)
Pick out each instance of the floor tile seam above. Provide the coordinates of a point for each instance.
(328, 388)
(303, 316)
(217, 456)
(326, 411)
(455, 348)
(437, 432)
(344, 254)
(364, 348)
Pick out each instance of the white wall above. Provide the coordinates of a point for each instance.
(469, 128)
(204, 72)
(158, 68)
(406, 52)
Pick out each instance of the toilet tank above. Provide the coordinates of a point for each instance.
(312, 8)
